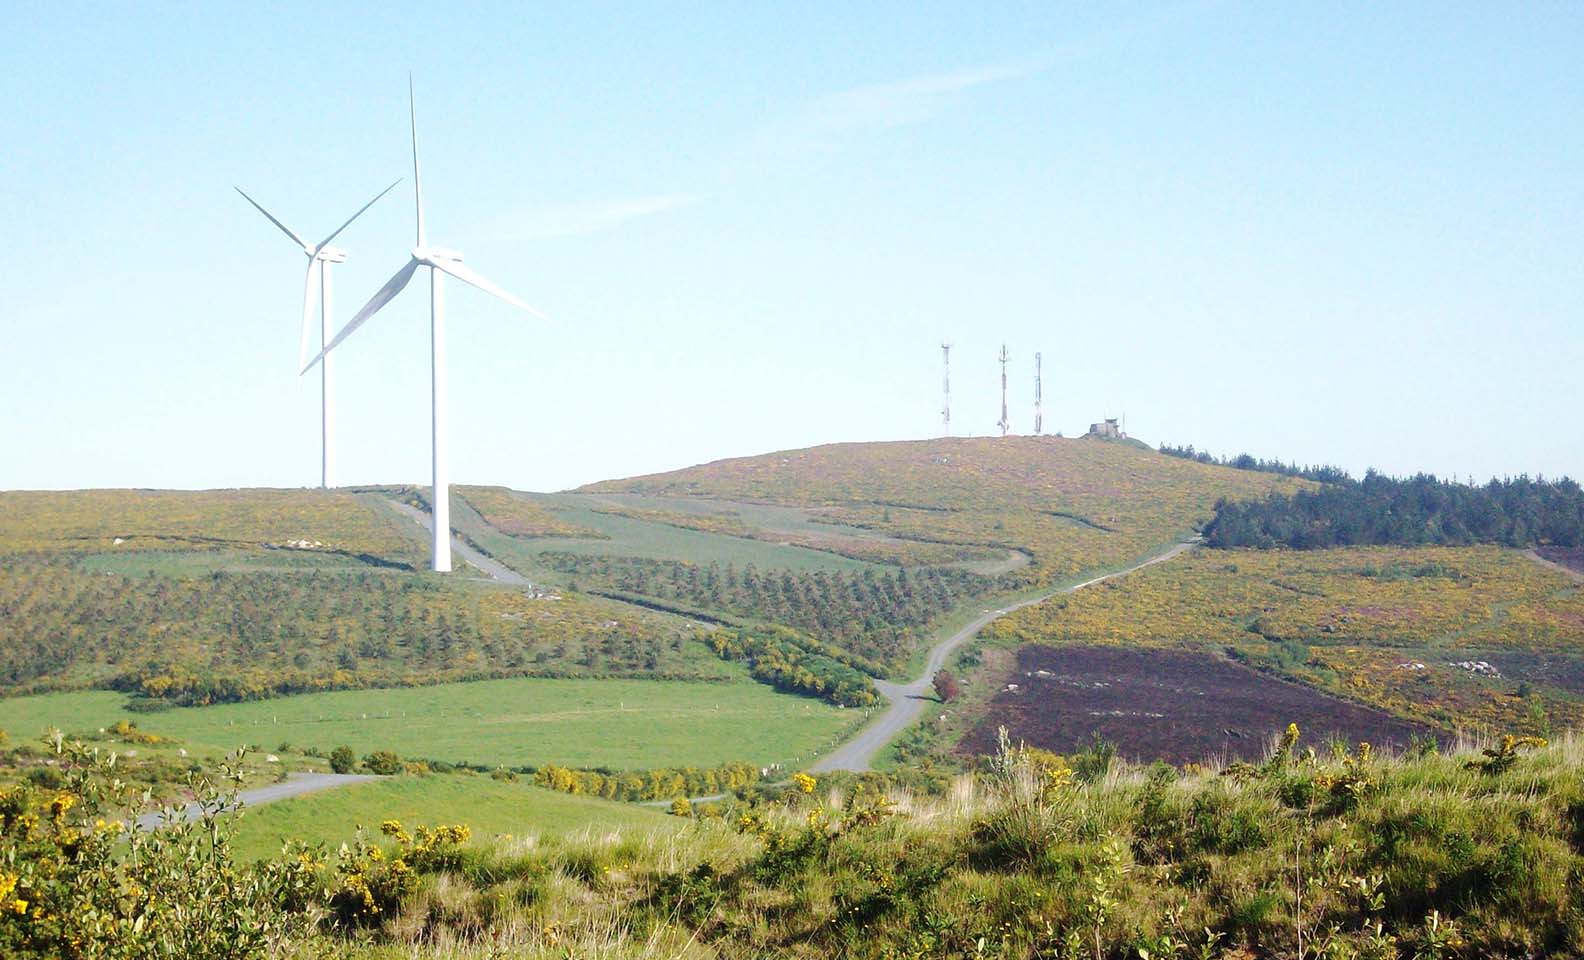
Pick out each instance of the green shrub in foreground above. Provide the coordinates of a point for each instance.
(76, 881)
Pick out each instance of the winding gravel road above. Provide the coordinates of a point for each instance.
(294, 786)
(907, 701)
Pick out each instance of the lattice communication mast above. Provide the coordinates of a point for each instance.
(1039, 411)
(1005, 422)
(946, 389)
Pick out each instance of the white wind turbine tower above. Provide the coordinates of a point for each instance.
(440, 262)
(320, 258)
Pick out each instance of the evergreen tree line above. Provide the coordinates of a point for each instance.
(1320, 473)
(794, 663)
(874, 614)
(1416, 511)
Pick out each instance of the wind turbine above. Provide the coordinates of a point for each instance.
(320, 258)
(440, 262)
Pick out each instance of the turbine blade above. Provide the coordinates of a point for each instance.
(284, 229)
(307, 316)
(412, 112)
(462, 273)
(392, 287)
(325, 242)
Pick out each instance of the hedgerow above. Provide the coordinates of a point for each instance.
(797, 664)
(662, 783)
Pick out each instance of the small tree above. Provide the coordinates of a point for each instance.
(946, 687)
(342, 759)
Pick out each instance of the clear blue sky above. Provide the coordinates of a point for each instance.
(1342, 233)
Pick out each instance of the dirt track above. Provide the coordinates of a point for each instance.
(295, 786)
(908, 700)
(480, 561)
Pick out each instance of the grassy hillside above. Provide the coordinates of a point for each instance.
(1071, 504)
(1454, 637)
(310, 522)
(626, 535)
(1344, 852)
(517, 516)
(196, 637)
(1349, 855)
(288, 622)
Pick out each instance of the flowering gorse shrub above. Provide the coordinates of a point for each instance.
(77, 882)
(369, 885)
(1499, 759)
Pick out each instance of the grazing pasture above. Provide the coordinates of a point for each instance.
(1174, 705)
(617, 724)
(492, 809)
(626, 536)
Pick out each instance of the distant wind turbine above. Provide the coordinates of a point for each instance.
(320, 258)
(440, 262)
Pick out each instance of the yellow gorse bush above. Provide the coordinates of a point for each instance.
(76, 884)
(369, 886)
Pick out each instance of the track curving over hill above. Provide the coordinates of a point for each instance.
(907, 701)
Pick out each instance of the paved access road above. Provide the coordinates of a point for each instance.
(908, 700)
(294, 786)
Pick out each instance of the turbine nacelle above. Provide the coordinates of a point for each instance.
(436, 256)
(318, 255)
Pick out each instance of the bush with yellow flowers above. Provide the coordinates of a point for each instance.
(369, 885)
(77, 881)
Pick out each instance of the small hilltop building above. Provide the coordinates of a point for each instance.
(1107, 429)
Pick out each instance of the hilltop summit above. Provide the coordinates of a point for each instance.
(1070, 504)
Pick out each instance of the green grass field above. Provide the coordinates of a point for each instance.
(491, 808)
(630, 537)
(620, 724)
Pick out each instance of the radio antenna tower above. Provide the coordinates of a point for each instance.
(945, 389)
(1039, 412)
(1005, 423)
